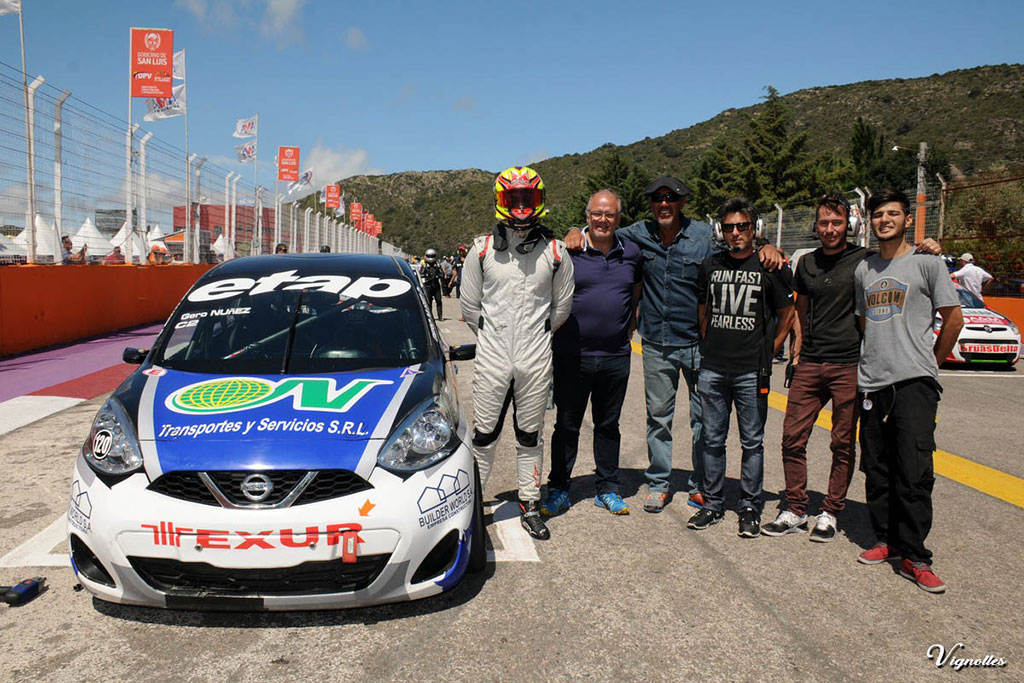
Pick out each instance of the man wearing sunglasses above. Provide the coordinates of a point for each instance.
(673, 247)
(745, 314)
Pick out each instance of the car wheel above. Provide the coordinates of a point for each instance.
(477, 548)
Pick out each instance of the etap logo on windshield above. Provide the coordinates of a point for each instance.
(230, 394)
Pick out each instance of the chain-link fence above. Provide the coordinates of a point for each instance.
(90, 173)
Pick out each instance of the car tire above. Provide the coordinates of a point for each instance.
(477, 547)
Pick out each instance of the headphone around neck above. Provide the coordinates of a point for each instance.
(853, 218)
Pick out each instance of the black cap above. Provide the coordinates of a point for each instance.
(667, 181)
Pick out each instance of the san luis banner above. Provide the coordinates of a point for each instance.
(152, 59)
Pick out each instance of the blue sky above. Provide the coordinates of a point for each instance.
(382, 86)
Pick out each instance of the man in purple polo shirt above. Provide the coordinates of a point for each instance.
(592, 355)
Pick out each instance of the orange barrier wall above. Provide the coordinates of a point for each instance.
(1011, 308)
(45, 305)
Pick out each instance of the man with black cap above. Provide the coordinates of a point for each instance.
(673, 247)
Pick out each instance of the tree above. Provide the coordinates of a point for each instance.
(622, 177)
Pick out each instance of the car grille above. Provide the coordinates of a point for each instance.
(308, 578)
(327, 484)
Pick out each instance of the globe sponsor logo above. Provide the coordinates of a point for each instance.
(230, 394)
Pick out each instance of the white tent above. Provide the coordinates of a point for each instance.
(218, 245)
(11, 251)
(90, 235)
(155, 234)
(139, 249)
(46, 239)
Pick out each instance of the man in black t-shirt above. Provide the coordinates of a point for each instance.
(745, 314)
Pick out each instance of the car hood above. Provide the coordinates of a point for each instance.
(193, 421)
(983, 316)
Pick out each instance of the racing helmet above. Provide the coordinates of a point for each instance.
(519, 197)
(430, 255)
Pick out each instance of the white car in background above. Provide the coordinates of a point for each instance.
(987, 338)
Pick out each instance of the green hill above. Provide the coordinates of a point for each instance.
(975, 115)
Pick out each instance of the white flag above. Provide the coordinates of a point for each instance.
(247, 152)
(179, 65)
(160, 108)
(245, 128)
(10, 6)
(340, 211)
(304, 180)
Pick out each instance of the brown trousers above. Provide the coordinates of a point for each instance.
(814, 385)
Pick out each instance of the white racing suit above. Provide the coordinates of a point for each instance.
(513, 302)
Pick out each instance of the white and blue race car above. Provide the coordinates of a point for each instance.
(293, 440)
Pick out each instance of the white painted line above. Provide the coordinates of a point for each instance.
(517, 545)
(35, 552)
(23, 410)
(983, 373)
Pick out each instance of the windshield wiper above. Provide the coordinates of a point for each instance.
(291, 333)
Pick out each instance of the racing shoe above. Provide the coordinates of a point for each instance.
(556, 504)
(612, 502)
(786, 523)
(825, 530)
(532, 521)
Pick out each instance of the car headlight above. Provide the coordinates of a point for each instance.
(424, 438)
(1014, 328)
(112, 446)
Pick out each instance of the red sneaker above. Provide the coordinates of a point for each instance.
(880, 553)
(922, 574)
(696, 500)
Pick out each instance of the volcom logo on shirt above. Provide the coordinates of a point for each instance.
(885, 299)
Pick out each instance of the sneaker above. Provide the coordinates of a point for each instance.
(612, 502)
(696, 500)
(880, 553)
(556, 504)
(750, 523)
(922, 574)
(655, 501)
(825, 530)
(786, 523)
(705, 518)
(532, 521)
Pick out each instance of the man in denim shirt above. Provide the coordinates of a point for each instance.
(673, 247)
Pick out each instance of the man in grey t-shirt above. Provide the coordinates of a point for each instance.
(897, 294)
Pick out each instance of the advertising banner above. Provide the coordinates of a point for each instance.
(287, 163)
(357, 214)
(152, 59)
(332, 199)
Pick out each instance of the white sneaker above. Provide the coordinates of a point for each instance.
(786, 523)
(825, 530)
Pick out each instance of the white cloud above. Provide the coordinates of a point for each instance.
(466, 103)
(276, 19)
(331, 164)
(281, 21)
(355, 39)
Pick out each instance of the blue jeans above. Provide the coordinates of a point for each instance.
(662, 366)
(718, 392)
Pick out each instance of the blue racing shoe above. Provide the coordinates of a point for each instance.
(556, 504)
(612, 502)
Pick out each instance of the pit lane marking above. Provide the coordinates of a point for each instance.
(517, 546)
(36, 551)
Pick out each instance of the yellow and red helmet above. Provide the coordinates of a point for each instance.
(519, 196)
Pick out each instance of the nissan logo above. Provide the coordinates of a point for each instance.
(256, 487)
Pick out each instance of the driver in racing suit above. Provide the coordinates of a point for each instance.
(517, 287)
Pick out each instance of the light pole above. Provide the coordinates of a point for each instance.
(186, 244)
(919, 217)
(199, 210)
(305, 229)
(234, 211)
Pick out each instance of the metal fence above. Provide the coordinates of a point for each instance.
(90, 173)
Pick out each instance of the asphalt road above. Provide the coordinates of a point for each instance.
(625, 598)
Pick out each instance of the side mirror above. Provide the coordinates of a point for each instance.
(134, 356)
(463, 352)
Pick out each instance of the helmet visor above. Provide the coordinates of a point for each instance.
(520, 198)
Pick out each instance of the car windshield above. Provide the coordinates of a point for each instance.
(297, 331)
(968, 300)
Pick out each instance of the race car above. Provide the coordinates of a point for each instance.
(293, 440)
(987, 337)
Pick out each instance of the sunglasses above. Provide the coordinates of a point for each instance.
(740, 227)
(670, 197)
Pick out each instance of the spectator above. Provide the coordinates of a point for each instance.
(114, 258)
(971, 277)
(592, 355)
(67, 257)
(281, 248)
(897, 294)
(745, 314)
(446, 279)
(325, 249)
(158, 256)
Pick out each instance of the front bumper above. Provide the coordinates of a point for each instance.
(375, 546)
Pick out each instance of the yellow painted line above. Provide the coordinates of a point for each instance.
(988, 480)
